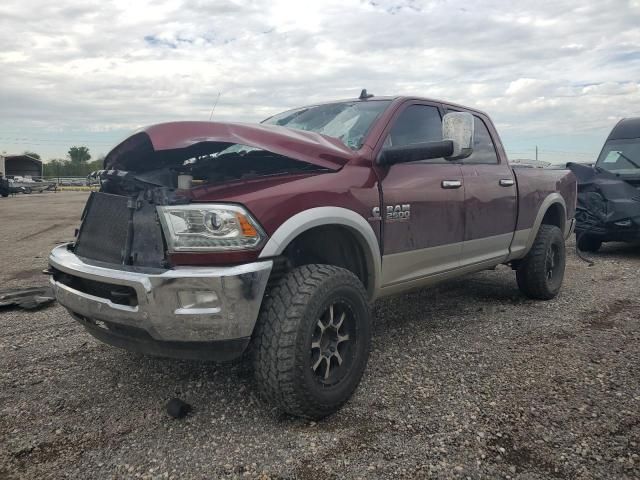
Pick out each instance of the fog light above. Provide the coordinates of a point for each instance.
(197, 299)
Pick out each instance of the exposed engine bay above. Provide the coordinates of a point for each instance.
(120, 223)
(237, 162)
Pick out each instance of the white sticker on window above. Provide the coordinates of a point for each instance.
(612, 157)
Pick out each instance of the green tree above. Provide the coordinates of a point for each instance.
(64, 168)
(54, 168)
(79, 155)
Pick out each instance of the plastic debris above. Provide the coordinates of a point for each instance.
(29, 298)
(176, 408)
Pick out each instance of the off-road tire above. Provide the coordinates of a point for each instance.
(532, 274)
(588, 243)
(281, 350)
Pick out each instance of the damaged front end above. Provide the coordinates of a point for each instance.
(608, 206)
(120, 278)
(129, 222)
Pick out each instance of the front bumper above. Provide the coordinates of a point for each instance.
(157, 322)
(610, 232)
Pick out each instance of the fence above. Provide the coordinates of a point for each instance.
(51, 184)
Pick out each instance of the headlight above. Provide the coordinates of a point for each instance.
(209, 227)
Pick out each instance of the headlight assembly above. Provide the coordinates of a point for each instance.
(209, 227)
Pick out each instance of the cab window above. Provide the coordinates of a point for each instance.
(484, 151)
(416, 124)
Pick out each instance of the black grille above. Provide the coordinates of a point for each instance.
(119, 294)
(103, 233)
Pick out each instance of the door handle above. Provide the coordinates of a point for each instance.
(449, 184)
(506, 182)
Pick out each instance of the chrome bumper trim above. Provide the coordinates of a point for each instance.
(239, 290)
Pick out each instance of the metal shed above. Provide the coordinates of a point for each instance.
(20, 165)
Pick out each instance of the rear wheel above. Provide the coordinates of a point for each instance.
(312, 340)
(588, 243)
(541, 272)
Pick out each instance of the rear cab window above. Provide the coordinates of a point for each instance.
(484, 151)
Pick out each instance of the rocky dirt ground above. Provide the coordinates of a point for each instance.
(467, 380)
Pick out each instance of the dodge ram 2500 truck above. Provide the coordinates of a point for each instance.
(208, 240)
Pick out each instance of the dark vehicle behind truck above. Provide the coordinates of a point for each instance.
(609, 193)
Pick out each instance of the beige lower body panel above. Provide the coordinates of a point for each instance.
(435, 278)
(495, 248)
(421, 268)
(405, 266)
(520, 244)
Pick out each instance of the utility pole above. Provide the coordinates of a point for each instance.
(536, 153)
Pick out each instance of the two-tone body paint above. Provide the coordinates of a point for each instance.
(450, 230)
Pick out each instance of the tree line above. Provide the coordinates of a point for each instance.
(77, 164)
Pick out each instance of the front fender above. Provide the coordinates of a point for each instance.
(318, 216)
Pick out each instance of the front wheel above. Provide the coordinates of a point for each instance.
(311, 343)
(541, 272)
(588, 243)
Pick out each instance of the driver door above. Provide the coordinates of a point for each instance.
(422, 203)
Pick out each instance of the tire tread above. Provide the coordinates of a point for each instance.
(273, 349)
(531, 273)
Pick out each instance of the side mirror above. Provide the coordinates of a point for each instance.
(415, 152)
(456, 144)
(457, 127)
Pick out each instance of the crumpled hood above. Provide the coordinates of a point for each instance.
(165, 141)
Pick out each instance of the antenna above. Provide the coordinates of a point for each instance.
(364, 95)
(214, 106)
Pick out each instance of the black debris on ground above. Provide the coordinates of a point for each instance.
(177, 408)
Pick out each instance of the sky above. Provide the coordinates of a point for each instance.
(553, 74)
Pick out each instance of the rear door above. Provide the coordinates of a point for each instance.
(490, 198)
(423, 202)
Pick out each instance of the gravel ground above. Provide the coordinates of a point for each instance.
(467, 380)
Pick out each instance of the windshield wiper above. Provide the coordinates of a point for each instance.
(628, 160)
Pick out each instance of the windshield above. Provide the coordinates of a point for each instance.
(621, 156)
(349, 122)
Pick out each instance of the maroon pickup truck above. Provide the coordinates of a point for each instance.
(210, 240)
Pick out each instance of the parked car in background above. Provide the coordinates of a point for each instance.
(9, 187)
(5, 189)
(609, 192)
(29, 185)
(209, 240)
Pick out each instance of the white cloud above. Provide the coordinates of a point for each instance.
(552, 73)
(526, 87)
